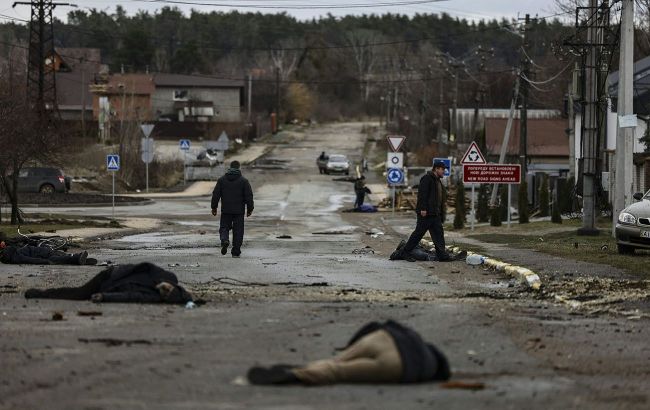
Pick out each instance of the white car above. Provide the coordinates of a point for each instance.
(338, 163)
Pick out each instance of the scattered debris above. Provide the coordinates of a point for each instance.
(458, 384)
(56, 316)
(192, 265)
(108, 341)
(89, 313)
(284, 237)
(363, 251)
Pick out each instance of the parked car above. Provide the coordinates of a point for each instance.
(633, 226)
(42, 179)
(338, 163)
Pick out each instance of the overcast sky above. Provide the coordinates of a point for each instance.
(468, 9)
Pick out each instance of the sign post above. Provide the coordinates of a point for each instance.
(113, 164)
(147, 150)
(184, 145)
(395, 164)
(394, 176)
(473, 155)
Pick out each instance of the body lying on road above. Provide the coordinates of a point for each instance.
(378, 353)
(139, 283)
(42, 255)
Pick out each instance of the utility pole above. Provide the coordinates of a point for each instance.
(250, 96)
(624, 110)
(571, 131)
(523, 113)
(454, 102)
(277, 93)
(590, 126)
(41, 81)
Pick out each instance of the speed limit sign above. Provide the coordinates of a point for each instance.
(395, 160)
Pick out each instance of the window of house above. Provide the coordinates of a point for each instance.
(181, 95)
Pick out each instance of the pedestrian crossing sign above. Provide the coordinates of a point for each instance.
(113, 162)
(184, 145)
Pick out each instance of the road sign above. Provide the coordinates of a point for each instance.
(147, 144)
(492, 173)
(395, 160)
(447, 162)
(113, 162)
(147, 157)
(473, 155)
(146, 129)
(395, 176)
(184, 145)
(221, 144)
(395, 142)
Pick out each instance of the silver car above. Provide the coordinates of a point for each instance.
(633, 227)
(338, 163)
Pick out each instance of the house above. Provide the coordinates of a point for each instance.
(465, 121)
(547, 148)
(75, 70)
(185, 98)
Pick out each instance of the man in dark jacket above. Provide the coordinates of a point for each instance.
(236, 196)
(360, 189)
(378, 353)
(430, 212)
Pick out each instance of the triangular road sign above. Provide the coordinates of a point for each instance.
(146, 129)
(473, 155)
(395, 142)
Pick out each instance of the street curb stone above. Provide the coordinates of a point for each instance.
(522, 274)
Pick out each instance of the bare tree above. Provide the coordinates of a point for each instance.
(25, 135)
(365, 56)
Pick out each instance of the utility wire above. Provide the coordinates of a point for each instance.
(549, 79)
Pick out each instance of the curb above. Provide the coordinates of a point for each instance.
(523, 275)
(90, 205)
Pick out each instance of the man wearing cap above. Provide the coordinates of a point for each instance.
(430, 211)
(236, 196)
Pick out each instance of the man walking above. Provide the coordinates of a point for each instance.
(360, 189)
(431, 211)
(236, 196)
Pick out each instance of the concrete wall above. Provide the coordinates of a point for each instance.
(225, 101)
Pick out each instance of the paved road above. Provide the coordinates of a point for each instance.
(299, 299)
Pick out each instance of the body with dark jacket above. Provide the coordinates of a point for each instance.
(40, 255)
(378, 353)
(139, 283)
(430, 212)
(236, 197)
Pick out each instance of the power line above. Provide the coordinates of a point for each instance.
(292, 7)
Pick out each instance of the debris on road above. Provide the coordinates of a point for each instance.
(363, 251)
(458, 384)
(108, 341)
(56, 316)
(89, 313)
(284, 237)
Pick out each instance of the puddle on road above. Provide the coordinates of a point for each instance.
(335, 203)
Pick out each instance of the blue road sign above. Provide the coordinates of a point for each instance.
(184, 144)
(395, 176)
(113, 162)
(447, 162)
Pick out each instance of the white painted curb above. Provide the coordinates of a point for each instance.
(524, 275)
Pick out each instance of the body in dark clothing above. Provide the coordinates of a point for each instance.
(37, 255)
(139, 283)
(378, 353)
(430, 212)
(236, 197)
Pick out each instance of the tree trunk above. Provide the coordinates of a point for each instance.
(15, 212)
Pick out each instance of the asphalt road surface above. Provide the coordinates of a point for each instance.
(297, 299)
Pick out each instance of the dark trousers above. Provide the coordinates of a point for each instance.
(361, 195)
(433, 224)
(236, 223)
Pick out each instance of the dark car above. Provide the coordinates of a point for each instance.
(633, 227)
(43, 180)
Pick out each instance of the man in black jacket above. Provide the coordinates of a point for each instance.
(431, 212)
(236, 196)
